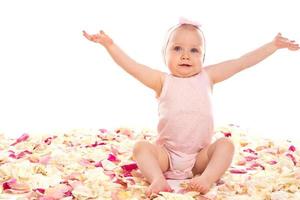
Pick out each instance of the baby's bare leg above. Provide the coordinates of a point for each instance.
(152, 160)
(212, 162)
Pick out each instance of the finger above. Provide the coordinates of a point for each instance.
(84, 34)
(88, 37)
(293, 45)
(103, 33)
(284, 38)
(294, 48)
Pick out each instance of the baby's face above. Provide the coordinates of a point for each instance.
(184, 52)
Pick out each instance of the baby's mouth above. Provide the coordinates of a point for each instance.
(185, 65)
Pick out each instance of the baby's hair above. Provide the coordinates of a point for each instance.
(172, 29)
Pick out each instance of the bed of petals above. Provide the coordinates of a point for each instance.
(97, 164)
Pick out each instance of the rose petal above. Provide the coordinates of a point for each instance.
(12, 186)
(292, 148)
(23, 137)
(40, 191)
(20, 155)
(58, 192)
(112, 158)
(257, 165)
(272, 162)
(227, 134)
(103, 130)
(45, 159)
(48, 140)
(130, 167)
(250, 151)
(292, 158)
(95, 144)
(98, 164)
(7, 185)
(238, 171)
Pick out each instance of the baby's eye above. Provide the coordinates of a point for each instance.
(194, 50)
(177, 48)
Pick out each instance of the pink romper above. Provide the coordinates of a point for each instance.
(185, 121)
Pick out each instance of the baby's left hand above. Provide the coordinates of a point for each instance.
(282, 42)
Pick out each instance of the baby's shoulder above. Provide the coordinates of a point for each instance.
(163, 77)
(207, 70)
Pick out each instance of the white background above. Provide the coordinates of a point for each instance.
(51, 77)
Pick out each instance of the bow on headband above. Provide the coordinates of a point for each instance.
(186, 21)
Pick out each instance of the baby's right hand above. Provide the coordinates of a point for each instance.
(100, 38)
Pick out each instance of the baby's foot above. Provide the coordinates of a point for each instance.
(158, 185)
(200, 184)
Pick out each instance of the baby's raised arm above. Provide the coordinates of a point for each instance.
(150, 77)
(224, 70)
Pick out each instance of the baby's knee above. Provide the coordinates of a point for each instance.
(140, 146)
(226, 143)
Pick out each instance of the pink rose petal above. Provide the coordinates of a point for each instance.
(257, 165)
(98, 164)
(238, 171)
(7, 185)
(95, 144)
(112, 158)
(20, 155)
(127, 174)
(45, 159)
(292, 158)
(58, 192)
(292, 148)
(227, 134)
(75, 184)
(23, 137)
(114, 150)
(272, 162)
(250, 151)
(40, 191)
(250, 158)
(48, 140)
(103, 130)
(13, 187)
(129, 167)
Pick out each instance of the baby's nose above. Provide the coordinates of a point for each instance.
(185, 56)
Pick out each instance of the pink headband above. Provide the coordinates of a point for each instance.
(186, 21)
